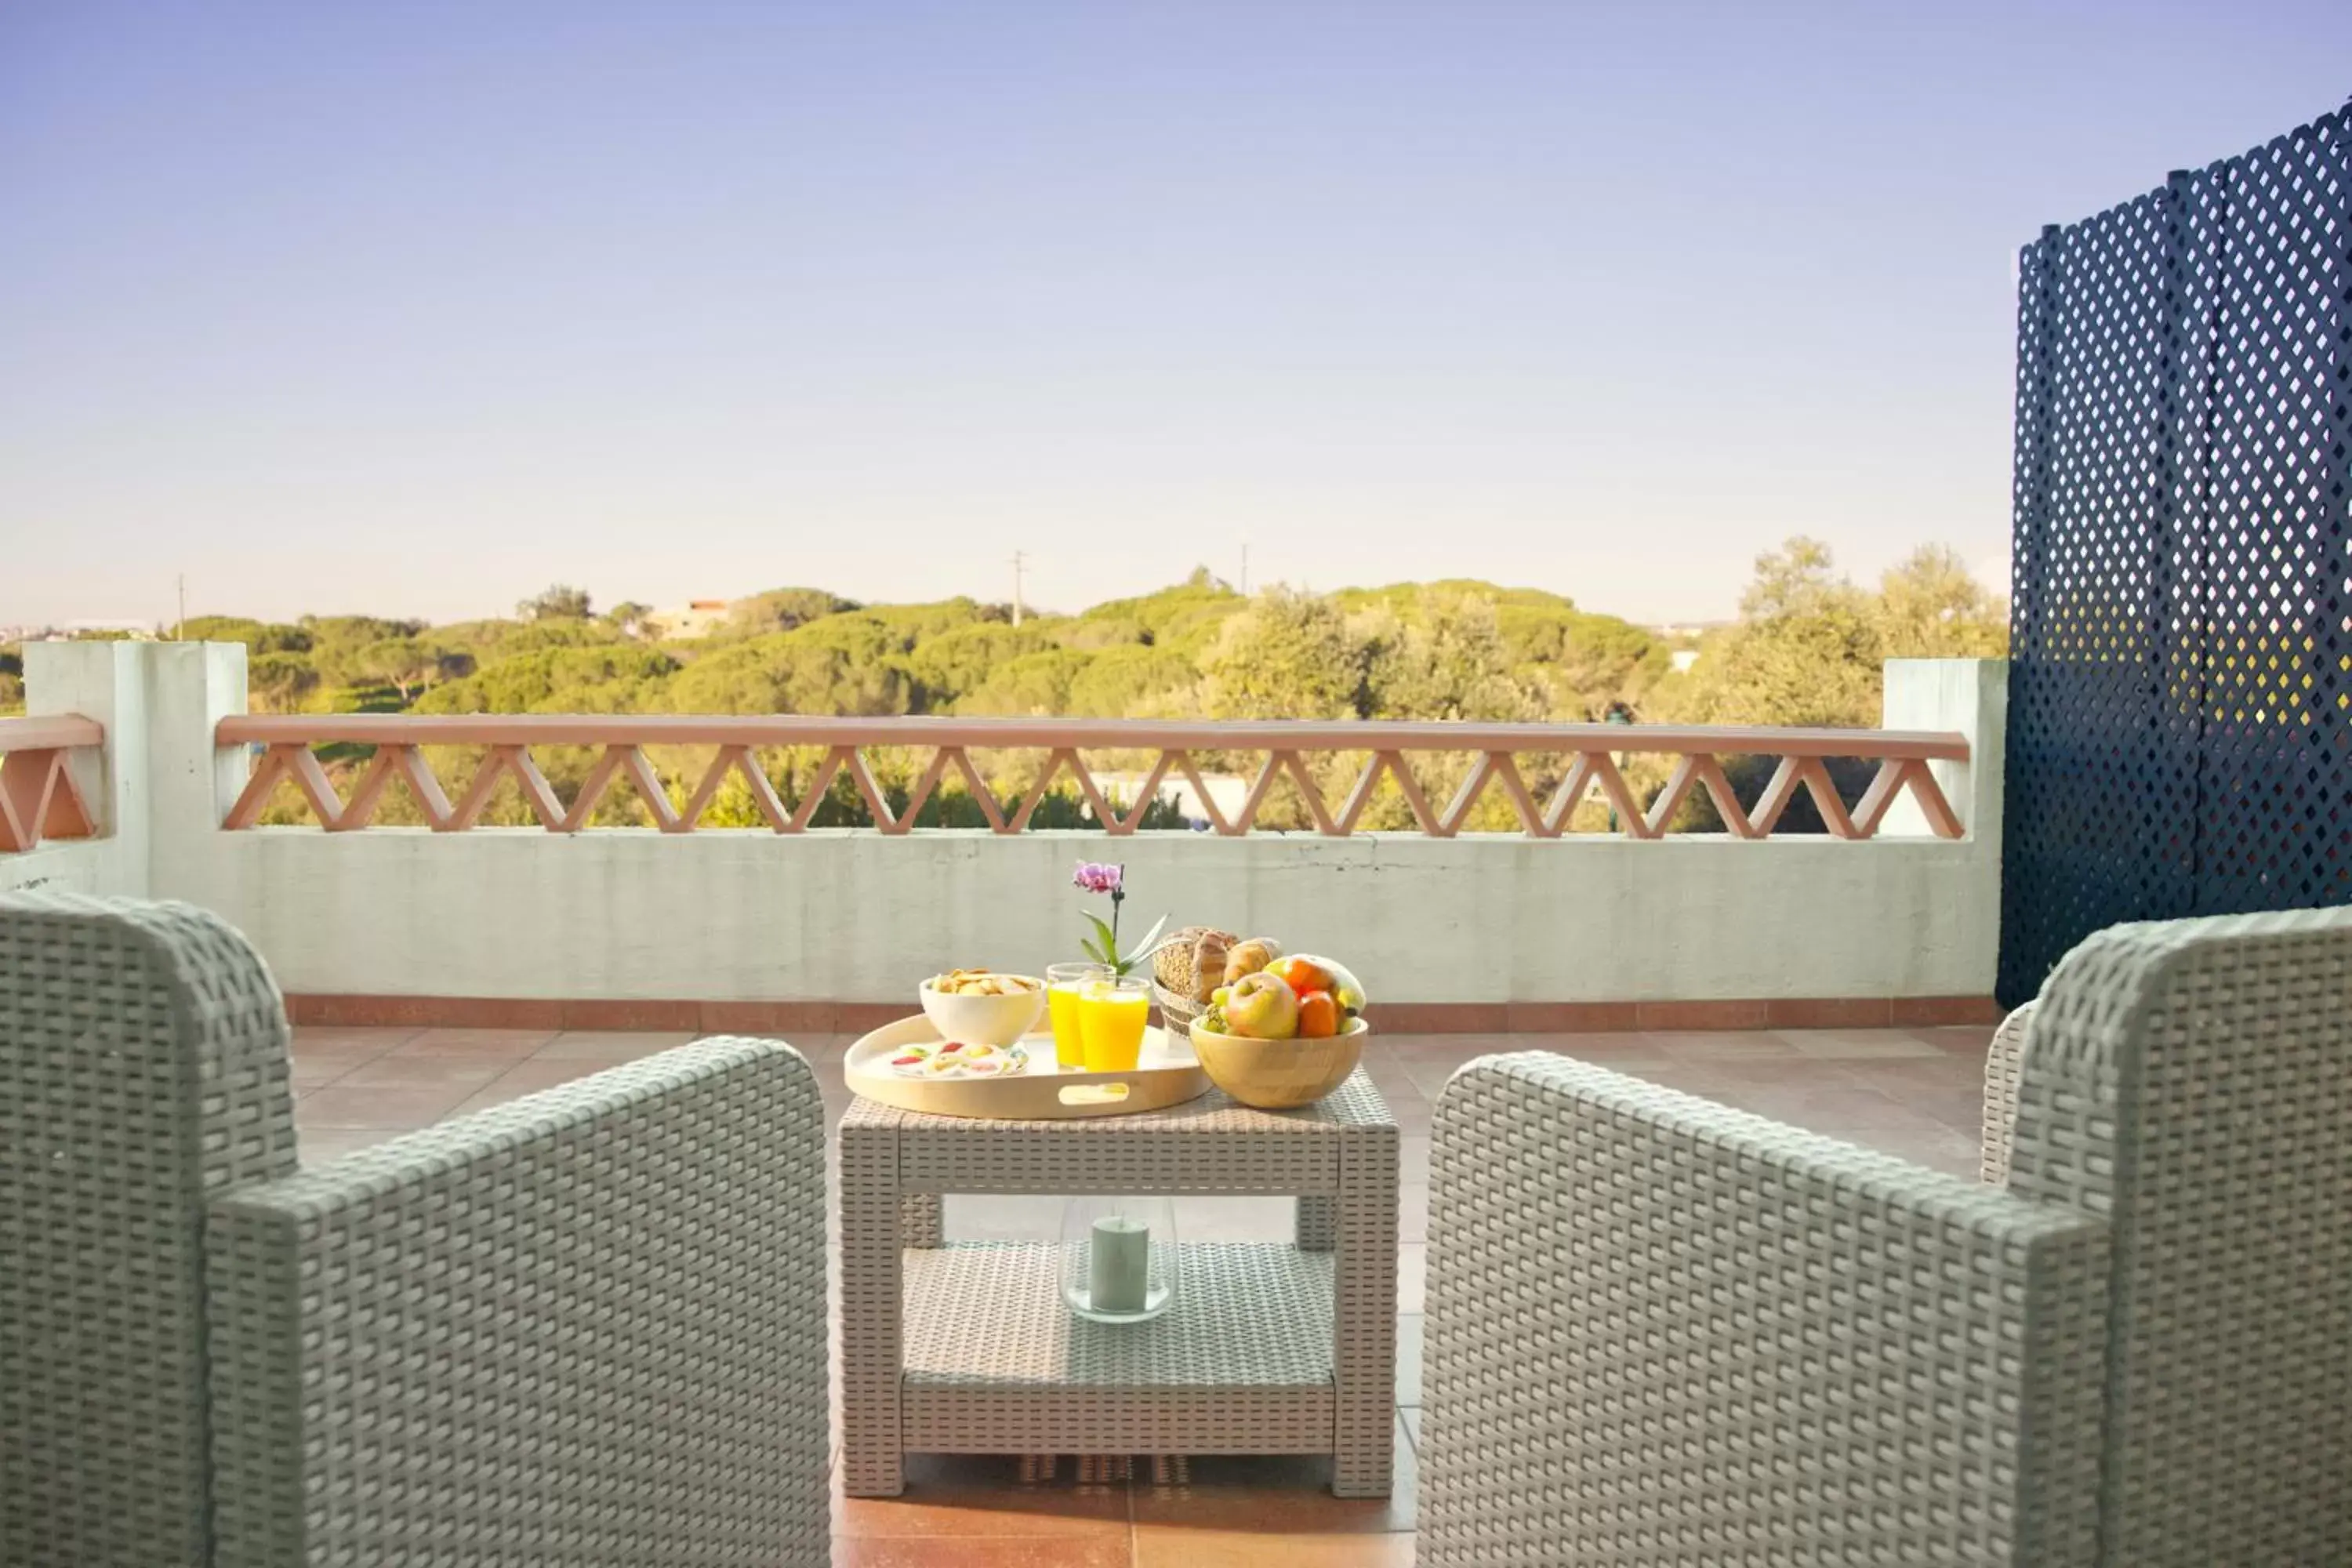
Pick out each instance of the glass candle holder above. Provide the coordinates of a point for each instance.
(1119, 1259)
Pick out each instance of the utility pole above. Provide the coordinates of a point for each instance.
(1019, 561)
(180, 626)
(1244, 568)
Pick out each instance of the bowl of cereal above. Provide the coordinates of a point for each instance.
(982, 1007)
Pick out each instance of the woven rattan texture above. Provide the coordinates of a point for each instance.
(1341, 1151)
(1316, 1223)
(1363, 1217)
(1660, 1332)
(1206, 1145)
(994, 1360)
(2194, 1080)
(2001, 1060)
(2180, 693)
(989, 1316)
(142, 1065)
(584, 1327)
(922, 1220)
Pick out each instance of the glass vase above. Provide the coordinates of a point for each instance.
(1120, 1260)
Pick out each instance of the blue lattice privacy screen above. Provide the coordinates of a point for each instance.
(2180, 691)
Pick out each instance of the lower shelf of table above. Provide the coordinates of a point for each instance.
(996, 1363)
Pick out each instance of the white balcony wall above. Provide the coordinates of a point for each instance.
(854, 916)
(108, 682)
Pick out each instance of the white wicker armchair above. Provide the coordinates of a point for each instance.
(585, 1326)
(2001, 1061)
(1664, 1333)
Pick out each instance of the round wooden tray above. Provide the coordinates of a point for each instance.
(1167, 1073)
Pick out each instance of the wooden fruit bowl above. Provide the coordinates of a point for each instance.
(1279, 1075)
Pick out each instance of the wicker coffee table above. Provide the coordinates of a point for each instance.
(1271, 1348)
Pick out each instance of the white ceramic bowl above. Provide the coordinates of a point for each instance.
(986, 1020)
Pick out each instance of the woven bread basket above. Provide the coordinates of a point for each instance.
(1177, 1010)
(1175, 977)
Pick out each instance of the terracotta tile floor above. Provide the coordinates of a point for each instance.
(1913, 1092)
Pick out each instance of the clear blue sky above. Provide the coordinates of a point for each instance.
(414, 308)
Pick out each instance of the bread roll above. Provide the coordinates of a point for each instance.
(1249, 957)
(1209, 952)
(1178, 965)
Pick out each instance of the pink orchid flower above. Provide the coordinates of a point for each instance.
(1105, 877)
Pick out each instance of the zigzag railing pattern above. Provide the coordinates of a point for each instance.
(284, 749)
(38, 797)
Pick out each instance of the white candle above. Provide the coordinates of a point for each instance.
(1120, 1262)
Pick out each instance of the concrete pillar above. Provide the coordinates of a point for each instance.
(1971, 695)
(190, 688)
(105, 681)
(160, 788)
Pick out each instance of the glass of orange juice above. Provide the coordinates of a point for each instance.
(1063, 983)
(1112, 1017)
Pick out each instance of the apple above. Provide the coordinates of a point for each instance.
(1262, 1007)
